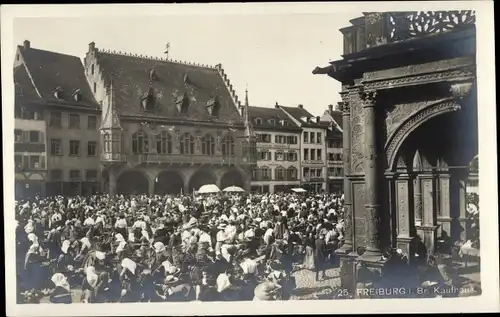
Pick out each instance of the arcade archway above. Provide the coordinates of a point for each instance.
(433, 167)
(169, 182)
(231, 178)
(132, 183)
(200, 178)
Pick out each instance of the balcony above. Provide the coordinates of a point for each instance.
(314, 179)
(315, 162)
(379, 28)
(185, 159)
(113, 157)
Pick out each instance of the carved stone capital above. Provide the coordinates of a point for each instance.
(344, 107)
(369, 97)
(460, 90)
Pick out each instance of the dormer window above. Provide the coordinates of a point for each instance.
(148, 100)
(304, 119)
(213, 107)
(58, 93)
(283, 123)
(77, 95)
(182, 103)
(272, 122)
(258, 121)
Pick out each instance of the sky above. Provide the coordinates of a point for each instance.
(271, 54)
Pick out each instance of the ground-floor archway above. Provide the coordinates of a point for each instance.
(169, 182)
(132, 183)
(200, 178)
(231, 178)
(430, 187)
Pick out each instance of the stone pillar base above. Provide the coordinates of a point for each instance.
(429, 237)
(348, 273)
(405, 243)
(369, 273)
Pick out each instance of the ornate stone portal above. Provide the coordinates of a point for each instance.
(410, 112)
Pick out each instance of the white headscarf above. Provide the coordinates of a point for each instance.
(92, 277)
(29, 228)
(60, 281)
(159, 247)
(129, 265)
(65, 246)
(100, 255)
(85, 243)
(223, 282)
(249, 266)
(121, 240)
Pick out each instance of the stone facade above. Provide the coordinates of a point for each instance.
(410, 132)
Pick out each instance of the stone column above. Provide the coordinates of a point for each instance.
(151, 188)
(112, 182)
(417, 189)
(461, 179)
(346, 143)
(373, 182)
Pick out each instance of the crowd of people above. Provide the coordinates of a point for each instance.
(215, 247)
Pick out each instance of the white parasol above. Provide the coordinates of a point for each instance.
(208, 189)
(299, 190)
(233, 189)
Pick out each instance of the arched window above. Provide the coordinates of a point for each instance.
(265, 173)
(280, 173)
(258, 121)
(208, 145)
(291, 173)
(228, 145)
(164, 143)
(187, 144)
(255, 173)
(140, 143)
(107, 142)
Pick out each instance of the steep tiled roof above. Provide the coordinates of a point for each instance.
(267, 114)
(50, 70)
(337, 116)
(171, 81)
(299, 112)
(24, 89)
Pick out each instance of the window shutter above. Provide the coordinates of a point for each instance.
(42, 162)
(42, 137)
(26, 136)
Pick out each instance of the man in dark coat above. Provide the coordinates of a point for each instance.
(320, 255)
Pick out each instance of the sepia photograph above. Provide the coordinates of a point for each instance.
(222, 157)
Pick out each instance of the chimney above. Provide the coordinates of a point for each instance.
(276, 105)
(240, 108)
(330, 108)
(301, 106)
(318, 119)
(26, 44)
(91, 46)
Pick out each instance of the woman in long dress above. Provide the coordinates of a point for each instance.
(61, 293)
(34, 272)
(309, 257)
(90, 285)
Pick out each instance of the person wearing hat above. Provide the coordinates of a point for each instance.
(176, 291)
